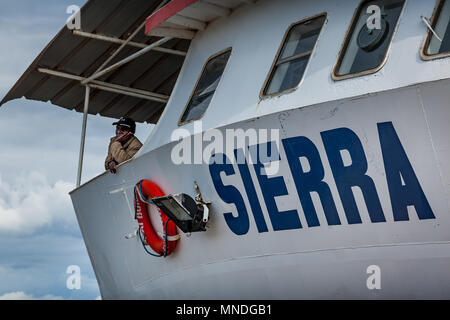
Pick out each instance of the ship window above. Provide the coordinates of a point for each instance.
(206, 86)
(368, 39)
(293, 56)
(440, 23)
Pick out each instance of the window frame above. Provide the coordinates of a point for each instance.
(180, 122)
(347, 39)
(275, 63)
(434, 19)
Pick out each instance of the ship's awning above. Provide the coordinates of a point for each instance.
(139, 88)
(108, 65)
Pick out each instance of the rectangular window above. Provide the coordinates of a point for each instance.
(205, 87)
(292, 59)
(368, 39)
(438, 47)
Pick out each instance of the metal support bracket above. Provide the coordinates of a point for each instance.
(199, 200)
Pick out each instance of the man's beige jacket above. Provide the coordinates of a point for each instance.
(122, 152)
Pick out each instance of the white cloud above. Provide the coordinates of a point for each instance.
(20, 295)
(30, 202)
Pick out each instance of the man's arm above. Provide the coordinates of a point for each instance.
(109, 157)
(120, 154)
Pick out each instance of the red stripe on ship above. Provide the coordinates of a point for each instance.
(169, 10)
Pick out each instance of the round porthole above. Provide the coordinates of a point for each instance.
(370, 39)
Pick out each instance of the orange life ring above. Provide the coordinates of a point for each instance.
(144, 190)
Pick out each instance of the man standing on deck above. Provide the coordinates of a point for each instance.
(124, 145)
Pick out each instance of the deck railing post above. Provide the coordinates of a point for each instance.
(83, 135)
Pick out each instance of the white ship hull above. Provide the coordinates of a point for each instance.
(321, 261)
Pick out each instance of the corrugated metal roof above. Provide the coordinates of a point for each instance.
(81, 56)
(155, 71)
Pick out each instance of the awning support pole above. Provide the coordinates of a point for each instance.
(83, 135)
(131, 37)
(126, 60)
(143, 94)
(131, 43)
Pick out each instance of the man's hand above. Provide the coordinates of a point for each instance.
(124, 136)
(112, 167)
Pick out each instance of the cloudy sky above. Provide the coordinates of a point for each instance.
(39, 235)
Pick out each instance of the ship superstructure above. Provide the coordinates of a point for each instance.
(350, 97)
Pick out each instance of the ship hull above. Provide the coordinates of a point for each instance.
(348, 230)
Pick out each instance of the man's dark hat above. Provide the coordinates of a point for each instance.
(127, 123)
